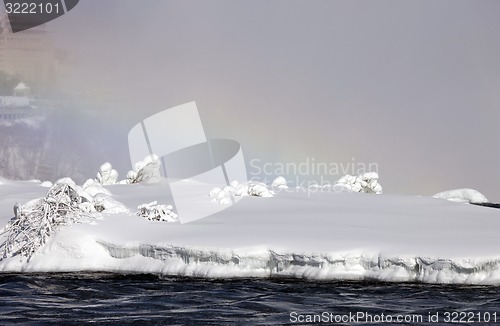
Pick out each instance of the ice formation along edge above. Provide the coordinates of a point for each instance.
(297, 233)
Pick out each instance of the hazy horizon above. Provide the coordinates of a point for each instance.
(412, 86)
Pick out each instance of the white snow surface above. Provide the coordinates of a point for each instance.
(464, 195)
(296, 233)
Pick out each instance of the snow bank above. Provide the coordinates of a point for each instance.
(234, 263)
(464, 195)
(314, 235)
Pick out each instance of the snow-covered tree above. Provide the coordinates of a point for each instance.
(147, 170)
(107, 175)
(35, 221)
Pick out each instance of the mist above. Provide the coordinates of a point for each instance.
(411, 86)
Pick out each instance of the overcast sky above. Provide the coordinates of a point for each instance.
(413, 86)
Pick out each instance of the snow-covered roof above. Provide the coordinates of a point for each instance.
(21, 87)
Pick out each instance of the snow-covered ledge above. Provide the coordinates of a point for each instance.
(296, 233)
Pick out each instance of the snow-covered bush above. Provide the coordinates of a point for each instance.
(223, 196)
(259, 190)
(147, 170)
(107, 175)
(464, 195)
(279, 183)
(155, 212)
(367, 182)
(36, 220)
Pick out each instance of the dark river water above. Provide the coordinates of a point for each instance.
(76, 298)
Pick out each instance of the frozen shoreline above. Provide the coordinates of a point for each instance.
(316, 235)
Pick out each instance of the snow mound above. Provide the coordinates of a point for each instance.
(3, 181)
(223, 196)
(464, 195)
(107, 175)
(103, 202)
(46, 184)
(367, 183)
(155, 212)
(67, 181)
(93, 188)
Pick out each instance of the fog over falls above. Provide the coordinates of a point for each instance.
(63, 143)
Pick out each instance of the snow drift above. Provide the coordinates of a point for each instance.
(464, 195)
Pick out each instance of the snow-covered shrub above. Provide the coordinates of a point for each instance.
(464, 195)
(367, 182)
(223, 196)
(147, 170)
(279, 183)
(38, 219)
(107, 175)
(259, 190)
(155, 212)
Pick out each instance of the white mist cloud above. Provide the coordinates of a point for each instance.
(410, 85)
